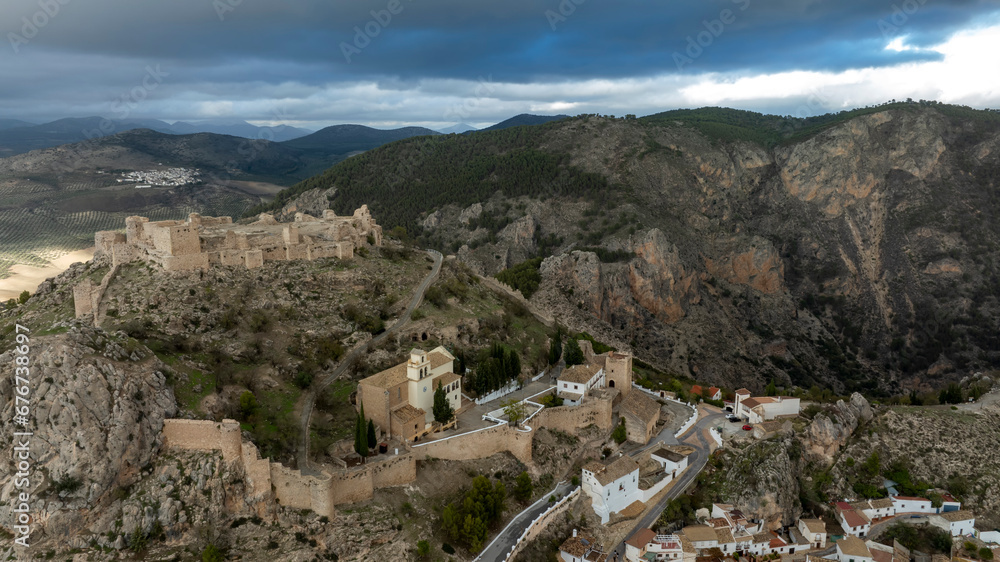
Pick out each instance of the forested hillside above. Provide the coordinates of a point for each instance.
(856, 251)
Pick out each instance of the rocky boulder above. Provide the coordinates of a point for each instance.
(829, 431)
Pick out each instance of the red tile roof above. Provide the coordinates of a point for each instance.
(881, 555)
(854, 518)
(641, 538)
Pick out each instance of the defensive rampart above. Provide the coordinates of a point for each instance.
(570, 419)
(286, 486)
(479, 445)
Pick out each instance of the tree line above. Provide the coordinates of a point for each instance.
(501, 366)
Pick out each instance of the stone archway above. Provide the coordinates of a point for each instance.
(611, 384)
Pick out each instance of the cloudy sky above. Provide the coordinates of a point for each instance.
(388, 63)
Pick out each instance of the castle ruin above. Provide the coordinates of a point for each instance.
(201, 242)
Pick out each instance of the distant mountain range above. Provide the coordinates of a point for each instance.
(458, 129)
(13, 123)
(18, 137)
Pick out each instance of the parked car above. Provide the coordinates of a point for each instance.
(733, 419)
(747, 427)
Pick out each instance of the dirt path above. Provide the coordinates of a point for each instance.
(309, 398)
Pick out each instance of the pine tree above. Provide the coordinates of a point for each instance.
(523, 487)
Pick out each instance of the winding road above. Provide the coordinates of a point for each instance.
(506, 539)
(305, 465)
(502, 544)
(696, 462)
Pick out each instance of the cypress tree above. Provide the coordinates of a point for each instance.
(359, 445)
(372, 442)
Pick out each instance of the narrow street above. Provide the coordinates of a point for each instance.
(698, 438)
(504, 541)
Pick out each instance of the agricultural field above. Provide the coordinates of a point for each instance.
(43, 218)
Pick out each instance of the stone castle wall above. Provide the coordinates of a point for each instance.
(479, 445)
(201, 242)
(286, 486)
(570, 419)
(618, 368)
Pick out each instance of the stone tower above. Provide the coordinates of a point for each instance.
(618, 370)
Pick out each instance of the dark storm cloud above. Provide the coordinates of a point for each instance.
(237, 49)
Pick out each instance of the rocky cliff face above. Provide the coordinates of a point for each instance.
(863, 253)
(758, 478)
(830, 431)
(97, 407)
(953, 449)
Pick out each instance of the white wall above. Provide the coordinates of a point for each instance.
(912, 506)
(614, 497)
(990, 537)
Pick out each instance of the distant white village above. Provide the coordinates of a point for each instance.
(171, 177)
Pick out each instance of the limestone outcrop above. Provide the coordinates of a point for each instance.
(98, 402)
(828, 432)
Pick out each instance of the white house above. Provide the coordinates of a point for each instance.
(958, 523)
(576, 381)
(880, 508)
(711, 393)
(612, 487)
(765, 408)
(992, 537)
(673, 460)
(854, 522)
(814, 531)
(701, 536)
(644, 543)
(764, 544)
(581, 547)
(725, 541)
(876, 509)
(909, 504)
(949, 503)
(853, 549)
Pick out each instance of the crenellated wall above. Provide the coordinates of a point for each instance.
(289, 487)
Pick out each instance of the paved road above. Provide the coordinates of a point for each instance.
(305, 465)
(502, 544)
(696, 462)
